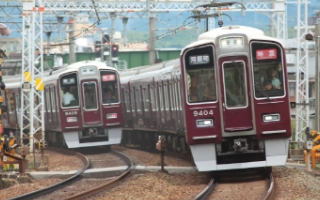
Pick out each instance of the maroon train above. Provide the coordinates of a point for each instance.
(90, 118)
(226, 100)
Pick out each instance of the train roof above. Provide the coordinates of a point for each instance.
(54, 74)
(167, 67)
(212, 35)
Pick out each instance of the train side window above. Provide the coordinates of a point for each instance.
(160, 97)
(133, 108)
(152, 95)
(18, 103)
(166, 96)
(138, 99)
(156, 98)
(179, 103)
(53, 102)
(48, 100)
(127, 97)
(146, 99)
(172, 97)
(69, 90)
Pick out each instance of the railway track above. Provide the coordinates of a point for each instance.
(65, 182)
(254, 177)
(96, 190)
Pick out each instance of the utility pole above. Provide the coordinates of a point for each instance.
(72, 54)
(317, 81)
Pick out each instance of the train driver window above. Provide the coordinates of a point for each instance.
(109, 85)
(69, 91)
(199, 66)
(267, 69)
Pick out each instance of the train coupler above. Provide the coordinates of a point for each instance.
(240, 145)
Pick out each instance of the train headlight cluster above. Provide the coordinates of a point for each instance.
(271, 118)
(231, 42)
(112, 115)
(204, 122)
(72, 119)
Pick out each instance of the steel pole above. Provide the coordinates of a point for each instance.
(317, 106)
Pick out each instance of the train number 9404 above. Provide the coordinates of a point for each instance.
(202, 112)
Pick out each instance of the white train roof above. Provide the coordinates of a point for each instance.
(212, 35)
(13, 81)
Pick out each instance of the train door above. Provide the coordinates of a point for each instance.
(235, 91)
(91, 106)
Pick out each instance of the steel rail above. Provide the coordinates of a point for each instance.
(96, 190)
(270, 192)
(207, 191)
(52, 188)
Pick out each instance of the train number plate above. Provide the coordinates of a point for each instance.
(202, 112)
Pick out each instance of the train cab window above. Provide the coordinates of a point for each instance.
(234, 84)
(267, 69)
(90, 95)
(200, 75)
(110, 87)
(69, 90)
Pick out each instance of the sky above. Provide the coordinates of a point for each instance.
(168, 21)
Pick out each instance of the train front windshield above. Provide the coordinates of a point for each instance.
(69, 90)
(267, 69)
(200, 75)
(109, 87)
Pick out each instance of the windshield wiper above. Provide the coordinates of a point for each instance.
(262, 92)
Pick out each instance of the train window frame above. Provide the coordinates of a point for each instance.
(166, 96)
(161, 103)
(53, 102)
(138, 98)
(275, 63)
(75, 85)
(173, 97)
(48, 104)
(133, 107)
(245, 86)
(191, 69)
(179, 99)
(18, 103)
(152, 95)
(110, 93)
(128, 105)
(90, 96)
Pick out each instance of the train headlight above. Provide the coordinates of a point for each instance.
(112, 115)
(271, 118)
(204, 122)
(72, 119)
